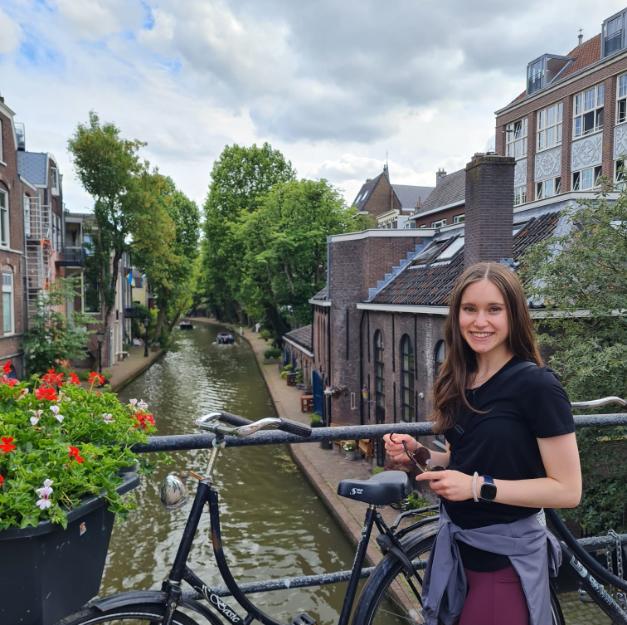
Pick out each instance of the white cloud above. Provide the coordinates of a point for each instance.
(335, 86)
(11, 34)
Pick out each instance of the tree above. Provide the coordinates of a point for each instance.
(239, 177)
(108, 167)
(581, 276)
(285, 248)
(52, 337)
(164, 226)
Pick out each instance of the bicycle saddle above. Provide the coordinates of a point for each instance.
(380, 490)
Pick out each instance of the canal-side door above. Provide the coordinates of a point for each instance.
(318, 394)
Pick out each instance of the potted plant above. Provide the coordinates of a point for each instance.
(65, 461)
(351, 450)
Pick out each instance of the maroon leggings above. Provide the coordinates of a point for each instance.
(494, 598)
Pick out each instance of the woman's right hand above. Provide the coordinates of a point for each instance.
(395, 450)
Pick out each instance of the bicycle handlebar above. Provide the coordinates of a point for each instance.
(214, 422)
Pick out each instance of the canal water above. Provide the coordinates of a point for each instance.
(273, 523)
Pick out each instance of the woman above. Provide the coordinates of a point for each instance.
(511, 451)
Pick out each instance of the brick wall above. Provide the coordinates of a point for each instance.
(448, 214)
(382, 198)
(608, 75)
(489, 203)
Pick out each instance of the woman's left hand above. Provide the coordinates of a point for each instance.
(451, 485)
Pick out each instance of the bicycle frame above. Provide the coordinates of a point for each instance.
(207, 493)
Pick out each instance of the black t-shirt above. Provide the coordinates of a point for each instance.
(501, 442)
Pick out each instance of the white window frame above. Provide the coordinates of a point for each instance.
(7, 287)
(54, 179)
(621, 99)
(620, 175)
(458, 219)
(520, 195)
(588, 104)
(27, 228)
(516, 138)
(5, 238)
(548, 188)
(438, 224)
(589, 173)
(549, 127)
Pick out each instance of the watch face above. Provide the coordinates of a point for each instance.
(488, 491)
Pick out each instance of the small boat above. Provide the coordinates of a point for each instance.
(186, 325)
(225, 338)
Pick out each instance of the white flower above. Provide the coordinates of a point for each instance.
(36, 416)
(107, 417)
(43, 503)
(132, 402)
(142, 405)
(44, 495)
(56, 411)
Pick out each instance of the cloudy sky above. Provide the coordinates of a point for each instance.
(337, 85)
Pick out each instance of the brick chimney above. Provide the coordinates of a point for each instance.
(489, 213)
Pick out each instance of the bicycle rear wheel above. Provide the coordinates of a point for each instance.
(143, 614)
(390, 597)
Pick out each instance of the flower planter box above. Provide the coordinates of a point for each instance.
(47, 572)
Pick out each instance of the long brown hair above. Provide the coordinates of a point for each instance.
(460, 361)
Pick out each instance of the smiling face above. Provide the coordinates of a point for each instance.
(483, 320)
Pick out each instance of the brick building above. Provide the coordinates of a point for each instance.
(390, 204)
(569, 127)
(11, 243)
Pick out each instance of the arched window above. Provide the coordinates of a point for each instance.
(408, 372)
(379, 385)
(438, 358)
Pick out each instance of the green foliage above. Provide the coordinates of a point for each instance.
(285, 243)
(582, 274)
(414, 501)
(272, 354)
(107, 166)
(316, 420)
(51, 336)
(239, 177)
(78, 438)
(265, 334)
(164, 227)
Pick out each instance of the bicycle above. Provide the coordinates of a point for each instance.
(393, 587)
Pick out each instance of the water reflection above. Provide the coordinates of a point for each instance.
(272, 521)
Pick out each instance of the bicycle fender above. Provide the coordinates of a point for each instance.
(151, 596)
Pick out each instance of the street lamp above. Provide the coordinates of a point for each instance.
(100, 338)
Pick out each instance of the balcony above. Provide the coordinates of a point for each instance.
(71, 257)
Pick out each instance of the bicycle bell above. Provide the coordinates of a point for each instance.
(173, 492)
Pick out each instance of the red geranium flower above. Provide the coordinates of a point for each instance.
(144, 419)
(74, 379)
(10, 381)
(96, 378)
(7, 444)
(7, 367)
(1, 480)
(45, 392)
(52, 378)
(75, 453)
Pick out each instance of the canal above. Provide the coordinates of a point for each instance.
(273, 523)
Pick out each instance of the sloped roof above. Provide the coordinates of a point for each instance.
(364, 193)
(33, 167)
(411, 196)
(301, 336)
(583, 56)
(450, 190)
(424, 283)
(322, 294)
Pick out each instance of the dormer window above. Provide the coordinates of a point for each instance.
(543, 71)
(614, 34)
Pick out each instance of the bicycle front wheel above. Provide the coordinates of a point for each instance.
(143, 614)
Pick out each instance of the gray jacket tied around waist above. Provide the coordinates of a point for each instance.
(531, 548)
